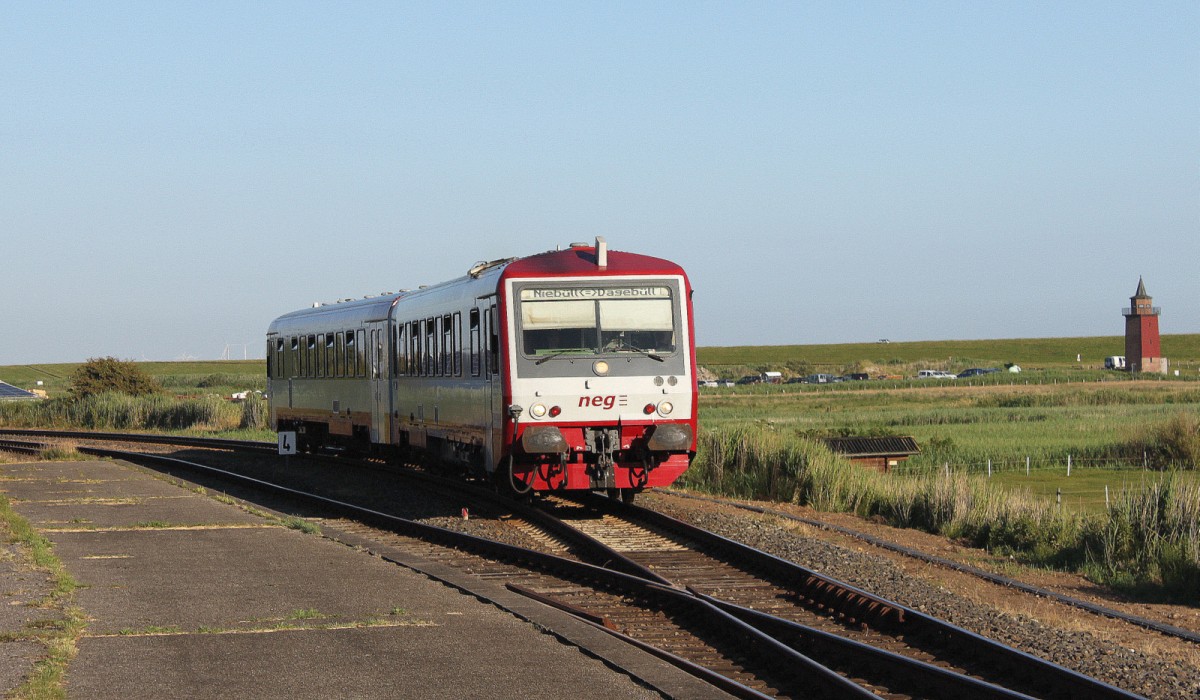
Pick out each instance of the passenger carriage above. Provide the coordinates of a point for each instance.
(571, 369)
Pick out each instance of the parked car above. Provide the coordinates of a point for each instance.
(818, 379)
(750, 379)
(935, 374)
(976, 371)
(858, 376)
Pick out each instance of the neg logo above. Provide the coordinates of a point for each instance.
(605, 402)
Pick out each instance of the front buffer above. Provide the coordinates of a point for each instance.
(593, 457)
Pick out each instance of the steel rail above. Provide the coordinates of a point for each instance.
(916, 676)
(21, 447)
(589, 547)
(217, 443)
(884, 614)
(825, 681)
(1161, 627)
(808, 675)
(877, 609)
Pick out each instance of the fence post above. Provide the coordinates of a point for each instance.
(1058, 499)
(989, 467)
(947, 470)
(1068, 465)
(1106, 495)
(1026, 465)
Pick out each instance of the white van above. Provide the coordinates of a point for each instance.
(935, 374)
(1114, 362)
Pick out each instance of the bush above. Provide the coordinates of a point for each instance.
(254, 413)
(1175, 443)
(112, 411)
(108, 374)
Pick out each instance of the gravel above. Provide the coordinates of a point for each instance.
(1079, 651)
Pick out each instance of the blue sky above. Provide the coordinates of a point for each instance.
(175, 175)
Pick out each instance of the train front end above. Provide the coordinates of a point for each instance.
(600, 389)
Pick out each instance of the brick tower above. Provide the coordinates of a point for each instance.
(1142, 351)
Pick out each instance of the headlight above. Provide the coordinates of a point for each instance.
(600, 367)
(665, 408)
(538, 411)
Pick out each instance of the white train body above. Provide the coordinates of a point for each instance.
(569, 369)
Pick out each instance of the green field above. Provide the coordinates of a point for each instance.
(757, 441)
(214, 376)
(1084, 489)
(1183, 351)
(1051, 412)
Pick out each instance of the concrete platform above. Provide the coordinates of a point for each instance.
(190, 597)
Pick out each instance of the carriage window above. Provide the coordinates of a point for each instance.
(360, 348)
(447, 323)
(607, 320)
(401, 351)
(426, 344)
(339, 363)
(456, 353)
(414, 348)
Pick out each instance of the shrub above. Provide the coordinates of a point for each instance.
(254, 413)
(1174, 443)
(1151, 536)
(108, 374)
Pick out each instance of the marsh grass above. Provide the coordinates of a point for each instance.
(966, 426)
(1147, 539)
(1152, 533)
(159, 412)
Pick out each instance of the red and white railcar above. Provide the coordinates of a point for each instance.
(571, 369)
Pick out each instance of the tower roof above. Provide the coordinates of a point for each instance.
(1141, 290)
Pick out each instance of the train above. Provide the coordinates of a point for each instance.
(572, 369)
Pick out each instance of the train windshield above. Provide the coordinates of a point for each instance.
(637, 320)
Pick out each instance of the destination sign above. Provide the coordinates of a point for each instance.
(557, 293)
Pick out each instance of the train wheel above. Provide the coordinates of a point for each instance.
(622, 495)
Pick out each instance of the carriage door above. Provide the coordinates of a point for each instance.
(491, 362)
(377, 368)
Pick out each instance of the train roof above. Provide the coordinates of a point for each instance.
(581, 260)
(575, 261)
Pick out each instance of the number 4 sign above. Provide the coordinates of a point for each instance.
(287, 442)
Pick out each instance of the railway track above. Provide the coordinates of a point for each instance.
(692, 633)
(746, 621)
(762, 589)
(1101, 610)
(270, 448)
